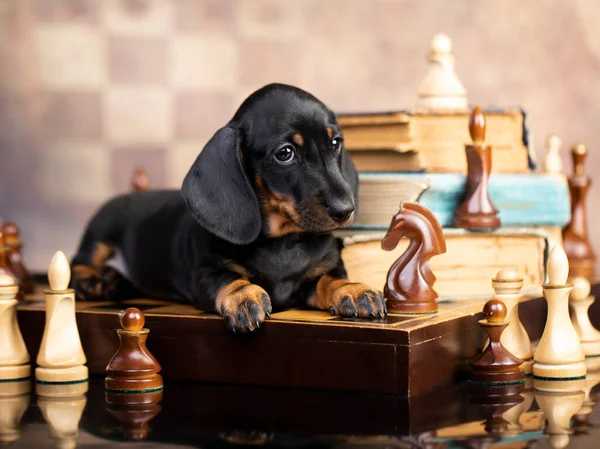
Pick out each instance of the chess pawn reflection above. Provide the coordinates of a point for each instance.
(61, 358)
(62, 413)
(558, 355)
(13, 404)
(552, 162)
(580, 302)
(513, 415)
(134, 411)
(495, 365)
(558, 408)
(440, 88)
(14, 358)
(133, 368)
(507, 286)
(496, 401)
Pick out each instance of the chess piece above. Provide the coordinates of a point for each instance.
(477, 210)
(575, 235)
(558, 355)
(409, 286)
(552, 163)
(558, 408)
(62, 413)
(440, 88)
(13, 404)
(580, 301)
(140, 181)
(134, 411)
(507, 286)
(13, 257)
(513, 415)
(61, 358)
(133, 368)
(495, 365)
(3, 250)
(14, 358)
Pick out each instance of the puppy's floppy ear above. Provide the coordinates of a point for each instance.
(218, 193)
(350, 175)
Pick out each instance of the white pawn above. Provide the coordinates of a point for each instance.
(61, 358)
(580, 302)
(558, 356)
(552, 163)
(440, 88)
(507, 286)
(14, 358)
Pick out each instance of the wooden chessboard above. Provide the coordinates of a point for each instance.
(400, 354)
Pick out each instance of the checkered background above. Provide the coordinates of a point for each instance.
(91, 88)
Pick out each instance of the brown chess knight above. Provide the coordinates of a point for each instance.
(409, 286)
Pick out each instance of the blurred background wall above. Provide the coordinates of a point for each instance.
(91, 88)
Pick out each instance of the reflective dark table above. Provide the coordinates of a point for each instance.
(201, 415)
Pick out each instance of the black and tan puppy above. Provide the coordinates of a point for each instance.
(251, 229)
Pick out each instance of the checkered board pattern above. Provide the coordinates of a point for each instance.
(155, 307)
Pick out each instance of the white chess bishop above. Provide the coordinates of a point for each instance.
(558, 356)
(61, 358)
(440, 88)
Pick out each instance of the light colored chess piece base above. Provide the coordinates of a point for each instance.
(558, 384)
(12, 373)
(62, 381)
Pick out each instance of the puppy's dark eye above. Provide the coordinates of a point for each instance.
(285, 155)
(336, 144)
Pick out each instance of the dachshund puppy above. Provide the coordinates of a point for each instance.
(251, 229)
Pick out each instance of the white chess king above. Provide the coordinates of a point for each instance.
(61, 358)
(558, 356)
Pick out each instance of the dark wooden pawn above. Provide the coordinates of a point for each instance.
(133, 369)
(477, 210)
(495, 365)
(14, 260)
(575, 235)
(140, 181)
(3, 250)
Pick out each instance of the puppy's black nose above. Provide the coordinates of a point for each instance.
(340, 212)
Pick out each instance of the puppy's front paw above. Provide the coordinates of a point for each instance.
(354, 299)
(243, 306)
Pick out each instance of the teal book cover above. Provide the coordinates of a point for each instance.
(528, 199)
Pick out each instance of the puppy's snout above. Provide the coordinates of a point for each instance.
(340, 211)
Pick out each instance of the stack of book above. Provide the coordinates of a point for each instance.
(420, 156)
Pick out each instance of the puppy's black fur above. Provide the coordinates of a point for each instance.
(251, 228)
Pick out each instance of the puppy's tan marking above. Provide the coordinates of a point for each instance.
(279, 209)
(323, 266)
(83, 271)
(237, 268)
(298, 139)
(329, 133)
(102, 252)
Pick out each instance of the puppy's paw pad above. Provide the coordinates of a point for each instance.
(245, 308)
(358, 300)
